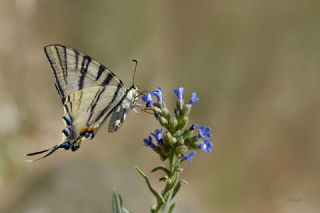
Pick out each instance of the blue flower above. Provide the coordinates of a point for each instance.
(158, 135)
(193, 98)
(157, 93)
(179, 93)
(189, 156)
(206, 146)
(204, 132)
(148, 142)
(147, 99)
(193, 126)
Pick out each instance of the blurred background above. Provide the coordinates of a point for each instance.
(254, 64)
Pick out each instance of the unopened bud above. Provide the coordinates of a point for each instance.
(181, 149)
(173, 122)
(186, 109)
(183, 122)
(163, 121)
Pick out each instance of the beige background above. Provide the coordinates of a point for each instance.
(254, 64)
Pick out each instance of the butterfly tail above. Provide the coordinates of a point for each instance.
(47, 151)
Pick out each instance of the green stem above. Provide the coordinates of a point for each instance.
(173, 179)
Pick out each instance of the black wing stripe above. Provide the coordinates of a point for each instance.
(100, 71)
(67, 109)
(95, 104)
(57, 89)
(58, 85)
(111, 102)
(61, 64)
(76, 58)
(93, 101)
(65, 60)
(107, 80)
(84, 69)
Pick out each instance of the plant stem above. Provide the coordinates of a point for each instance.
(172, 181)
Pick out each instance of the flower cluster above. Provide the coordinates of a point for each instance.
(176, 139)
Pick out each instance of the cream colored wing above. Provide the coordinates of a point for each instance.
(75, 71)
(88, 108)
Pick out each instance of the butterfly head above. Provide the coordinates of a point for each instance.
(133, 95)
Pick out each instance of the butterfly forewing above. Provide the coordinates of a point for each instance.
(75, 71)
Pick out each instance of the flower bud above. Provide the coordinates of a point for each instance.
(180, 141)
(157, 110)
(163, 121)
(181, 149)
(177, 133)
(164, 150)
(180, 104)
(173, 122)
(195, 144)
(189, 141)
(165, 112)
(186, 109)
(183, 122)
(187, 133)
(168, 139)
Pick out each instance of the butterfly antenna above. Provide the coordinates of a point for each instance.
(134, 71)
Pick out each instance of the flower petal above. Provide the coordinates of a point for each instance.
(189, 156)
(178, 92)
(147, 99)
(157, 93)
(193, 98)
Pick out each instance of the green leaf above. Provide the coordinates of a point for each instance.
(116, 203)
(154, 192)
(164, 179)
(124, 210)
(171, 208)
(176, 189)
(161, 167)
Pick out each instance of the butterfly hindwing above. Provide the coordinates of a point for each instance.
(89, 107)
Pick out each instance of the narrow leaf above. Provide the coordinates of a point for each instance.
(116, 203)
(176, 189)
(171, 208)
(162, 168)
(154, 192)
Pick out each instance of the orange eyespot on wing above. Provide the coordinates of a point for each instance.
(87, 132)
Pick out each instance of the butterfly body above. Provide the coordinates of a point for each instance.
(90, 94)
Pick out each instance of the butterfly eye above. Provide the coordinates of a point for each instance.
(66, 132)
(74, 147)
(66, 145)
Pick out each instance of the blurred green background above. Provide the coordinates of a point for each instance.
(254, 64)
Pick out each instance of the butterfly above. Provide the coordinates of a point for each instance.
(90, 94)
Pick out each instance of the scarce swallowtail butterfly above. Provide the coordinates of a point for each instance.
(90, 93)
